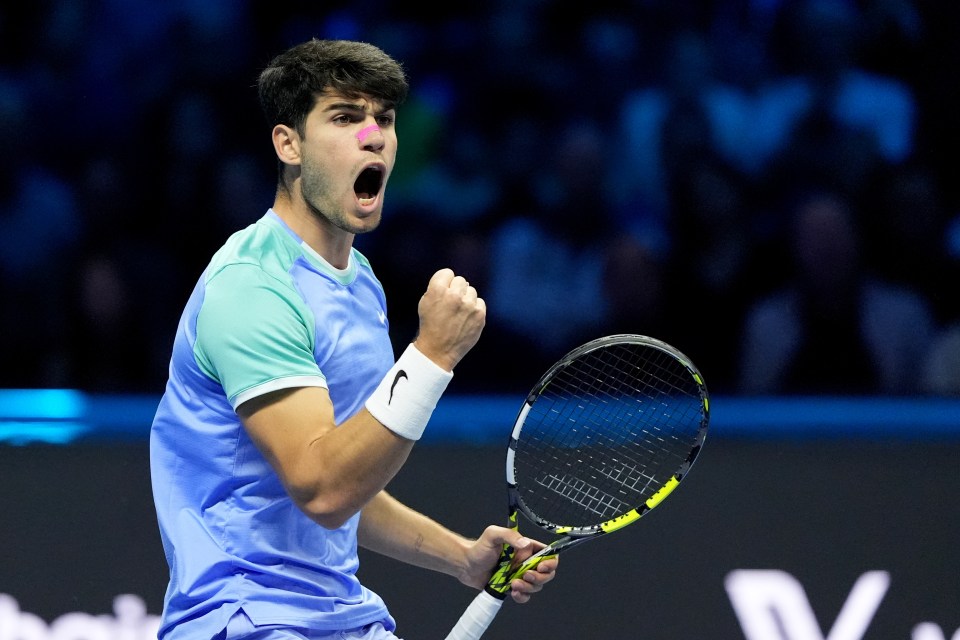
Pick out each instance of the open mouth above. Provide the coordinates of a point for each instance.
(368, 184)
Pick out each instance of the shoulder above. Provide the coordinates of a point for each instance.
(263, 246)
(248, 284)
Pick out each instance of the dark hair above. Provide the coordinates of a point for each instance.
(289, 86)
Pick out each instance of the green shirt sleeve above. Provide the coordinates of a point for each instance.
(255, 334)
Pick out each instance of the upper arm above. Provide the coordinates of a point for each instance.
(286, 426)
(330, 471)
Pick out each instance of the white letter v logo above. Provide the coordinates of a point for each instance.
(772, 604)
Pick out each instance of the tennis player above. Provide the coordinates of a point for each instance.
(285, 414)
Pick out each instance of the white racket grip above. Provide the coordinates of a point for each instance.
(476, 618)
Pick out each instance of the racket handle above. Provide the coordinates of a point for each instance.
(476, 618)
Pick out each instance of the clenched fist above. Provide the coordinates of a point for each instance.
(452, 316)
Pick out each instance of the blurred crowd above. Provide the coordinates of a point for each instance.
(768, 185)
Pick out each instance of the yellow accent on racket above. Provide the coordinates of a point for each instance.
(620, 521)
(664, 491)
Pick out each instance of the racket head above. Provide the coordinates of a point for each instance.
(605, 435)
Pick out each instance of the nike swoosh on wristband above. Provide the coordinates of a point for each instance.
(396, 379)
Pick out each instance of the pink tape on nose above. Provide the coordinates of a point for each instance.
(366, 131)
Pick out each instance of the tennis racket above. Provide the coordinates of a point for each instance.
(605, 436)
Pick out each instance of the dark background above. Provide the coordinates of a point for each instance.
(79, 529)
(622, 166)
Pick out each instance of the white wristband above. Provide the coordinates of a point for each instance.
(408, 394)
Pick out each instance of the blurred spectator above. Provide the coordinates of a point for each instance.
(893, 33)
(941, 367)
(242, 189)
(546, 264)
(635, 289)
(906, 238)
(833, 328)
(40, 225)
(124, 284)
(125, 161)
(109, 351)
(660, 121)
(716, 264)
(839, 121)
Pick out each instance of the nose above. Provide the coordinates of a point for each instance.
(370, 137)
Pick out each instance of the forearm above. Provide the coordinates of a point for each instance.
(395, 530)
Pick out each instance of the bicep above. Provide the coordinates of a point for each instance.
(285, 425)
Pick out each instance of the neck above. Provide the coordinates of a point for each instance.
(332, 243)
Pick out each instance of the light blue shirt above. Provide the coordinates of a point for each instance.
(268, 313)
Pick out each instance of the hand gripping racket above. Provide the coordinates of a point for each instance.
(605, 436)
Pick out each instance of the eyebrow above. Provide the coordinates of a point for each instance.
(356, 108)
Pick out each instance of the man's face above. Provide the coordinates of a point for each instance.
(348, 151)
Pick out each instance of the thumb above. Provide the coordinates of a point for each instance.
(515, 539)
(497, 536)
(518, 541)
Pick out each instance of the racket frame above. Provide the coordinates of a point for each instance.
(507, 571)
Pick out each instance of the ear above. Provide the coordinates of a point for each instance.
(286, 144)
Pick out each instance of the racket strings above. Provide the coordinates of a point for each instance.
(579, 492)
(607, 431)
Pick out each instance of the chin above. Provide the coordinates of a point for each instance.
(365, 224)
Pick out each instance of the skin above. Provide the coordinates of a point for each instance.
(331, 471)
